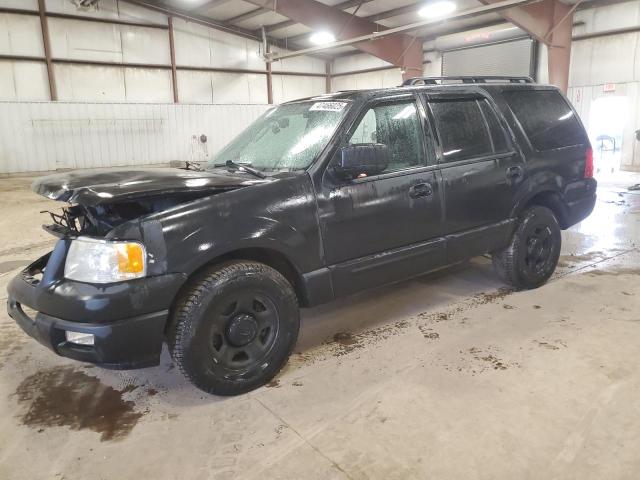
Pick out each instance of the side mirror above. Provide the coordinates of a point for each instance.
(364, 159)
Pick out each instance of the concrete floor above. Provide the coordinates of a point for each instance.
(445, 376)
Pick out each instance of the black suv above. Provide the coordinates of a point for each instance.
(318, 199)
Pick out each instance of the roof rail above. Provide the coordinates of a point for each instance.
(465, 79)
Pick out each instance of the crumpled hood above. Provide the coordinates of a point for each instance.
(91, 187)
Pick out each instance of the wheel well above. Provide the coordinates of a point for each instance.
(273, 259)
(553, 202)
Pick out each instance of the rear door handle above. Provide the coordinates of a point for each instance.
(514, 172)
(421, 190)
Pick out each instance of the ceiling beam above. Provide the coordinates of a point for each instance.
(248, 15)
(288, 23)
(374, 18)
(401, 50)
(550, 22)
(206, 6)
(218, 25)
(363, 40)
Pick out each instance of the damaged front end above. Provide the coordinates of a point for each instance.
(98, 220)
(104, 293)
(102, 201)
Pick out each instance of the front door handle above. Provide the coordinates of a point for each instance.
(513, 173)
(421, 190)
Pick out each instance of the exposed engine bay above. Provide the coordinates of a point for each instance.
(99, 219)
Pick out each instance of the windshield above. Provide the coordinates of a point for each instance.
(288, 137)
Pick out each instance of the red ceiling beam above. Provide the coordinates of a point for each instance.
(550, 22)
(401, 50)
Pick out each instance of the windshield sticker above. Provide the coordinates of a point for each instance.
(328, 107)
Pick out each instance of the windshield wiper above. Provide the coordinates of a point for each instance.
(243, 167)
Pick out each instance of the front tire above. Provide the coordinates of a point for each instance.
(531, 257)
(234, 327)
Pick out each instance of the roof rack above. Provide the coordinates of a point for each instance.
(465, 79)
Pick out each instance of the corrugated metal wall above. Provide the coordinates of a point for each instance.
(505, 58)
(610, 59)
(43, 136)
(196, 47)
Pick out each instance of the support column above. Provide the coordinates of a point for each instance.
(327, 83)
(560, 47)
(172, 50)
(44, 25)
(269, 79)
(550, 22)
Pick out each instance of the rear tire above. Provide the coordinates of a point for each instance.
(234, 327)
(531, 257)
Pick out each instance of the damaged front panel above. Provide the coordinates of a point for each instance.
(101, 201)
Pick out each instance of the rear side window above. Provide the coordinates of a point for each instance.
(546, 118)
(498, 137)
(462, 130)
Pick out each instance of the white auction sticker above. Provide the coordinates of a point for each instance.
(328, 107)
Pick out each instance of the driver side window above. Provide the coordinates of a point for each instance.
(397, 126)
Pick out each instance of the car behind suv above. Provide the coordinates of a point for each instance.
(318, 199)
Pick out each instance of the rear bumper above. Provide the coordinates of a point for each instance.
(127, 319)
(580, 209)
(580, 199)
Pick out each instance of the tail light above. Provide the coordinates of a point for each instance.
(588, 164)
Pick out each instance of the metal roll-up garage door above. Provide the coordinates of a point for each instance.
(512, 58)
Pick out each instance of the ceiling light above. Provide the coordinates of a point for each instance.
(437, 9)
(322, 38)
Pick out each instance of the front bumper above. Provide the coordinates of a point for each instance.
(127, 319)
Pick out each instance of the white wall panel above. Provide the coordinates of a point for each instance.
(303, 64)
(222, 87)
(20, 35)
(22, 4)
(129, 11)
(293, 87)
(145, 45)
(195, 87)
(199, 46)
(192, 44)
(361, 61)
(78, 40)
(47, 136)
(90, 83)
(146, 85)
(108, 8)
(361, 81)
(23, 81)
(239, 88)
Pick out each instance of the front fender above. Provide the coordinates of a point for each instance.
(279, 216)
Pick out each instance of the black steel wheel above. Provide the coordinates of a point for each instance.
(234, 327)
(532, 255)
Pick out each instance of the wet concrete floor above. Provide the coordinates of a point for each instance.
(450, 375)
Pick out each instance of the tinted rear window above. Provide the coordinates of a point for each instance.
(546, 118)
(463, 132)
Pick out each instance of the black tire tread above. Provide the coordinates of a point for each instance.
(505, 261)
(199, 287)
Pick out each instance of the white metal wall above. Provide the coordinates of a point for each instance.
(612, 59)
(44, 136)
(196, 46)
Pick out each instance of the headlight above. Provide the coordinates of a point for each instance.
(99, 261)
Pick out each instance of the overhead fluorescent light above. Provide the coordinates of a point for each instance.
(437, 9)
(322, 38)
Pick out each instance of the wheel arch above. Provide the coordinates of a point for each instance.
(268, 256)
(551, 199)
